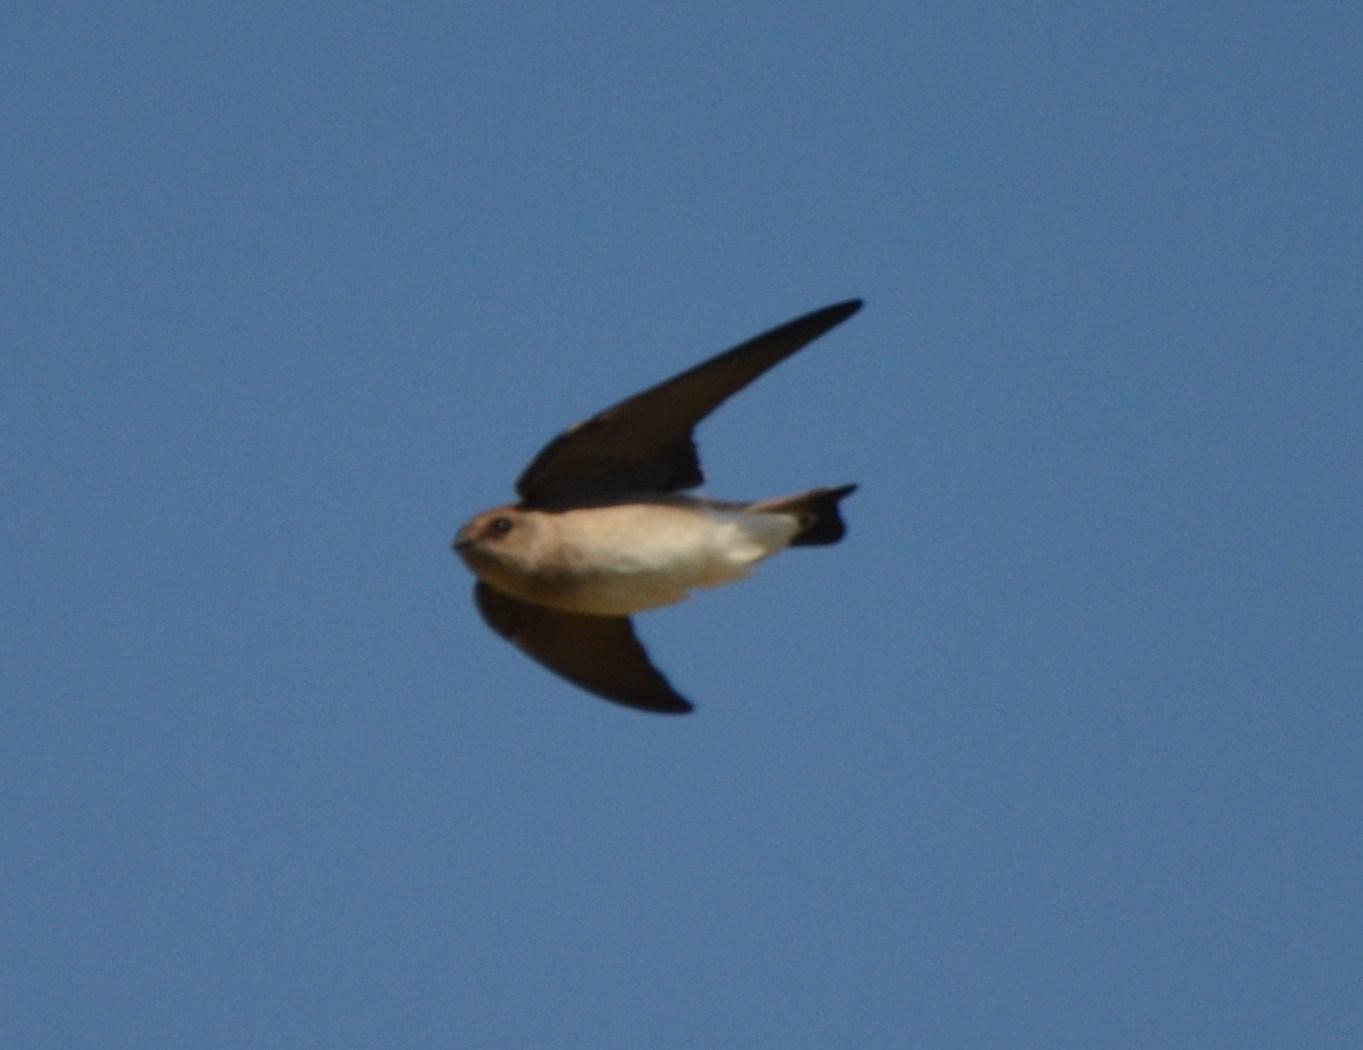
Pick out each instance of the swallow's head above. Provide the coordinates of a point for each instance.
(499, 541)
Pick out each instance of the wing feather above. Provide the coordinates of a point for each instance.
(644, 443)
(599, 653)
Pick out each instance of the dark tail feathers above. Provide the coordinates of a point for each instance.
(817, 509)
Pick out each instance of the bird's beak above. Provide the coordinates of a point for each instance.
(461, 543)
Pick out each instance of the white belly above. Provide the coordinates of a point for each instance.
(633, 557)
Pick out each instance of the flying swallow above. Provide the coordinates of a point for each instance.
(603, 529)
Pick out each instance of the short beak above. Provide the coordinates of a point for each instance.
(460, 544)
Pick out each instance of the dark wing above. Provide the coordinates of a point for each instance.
(644, 443)
(598, 653)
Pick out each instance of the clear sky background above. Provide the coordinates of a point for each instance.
(1061, 747)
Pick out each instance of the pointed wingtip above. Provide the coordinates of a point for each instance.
(830, 316)
(846, 308)
(783, 340)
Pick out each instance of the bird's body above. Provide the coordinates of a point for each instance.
(604, 530)
(628, 557)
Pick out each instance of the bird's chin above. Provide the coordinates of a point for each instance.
(489, 570)
(470, 556)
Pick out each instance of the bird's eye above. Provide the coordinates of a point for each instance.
(501, 526)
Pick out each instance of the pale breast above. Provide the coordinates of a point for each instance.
(627, 558)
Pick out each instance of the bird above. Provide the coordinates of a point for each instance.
(605, 528)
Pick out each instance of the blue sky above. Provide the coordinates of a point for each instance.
(1061, 747)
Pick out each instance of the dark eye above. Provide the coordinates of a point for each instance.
(500, 526)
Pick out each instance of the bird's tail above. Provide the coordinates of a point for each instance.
(817, 511)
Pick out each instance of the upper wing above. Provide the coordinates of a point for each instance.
(643, 444)
(598, 653)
